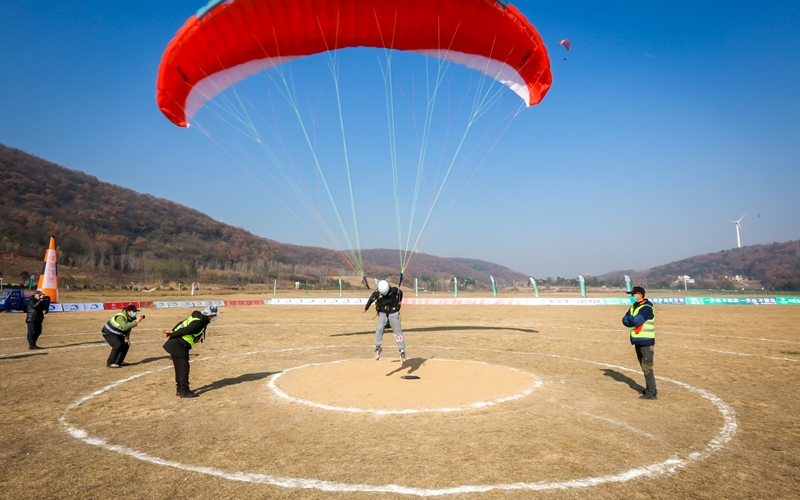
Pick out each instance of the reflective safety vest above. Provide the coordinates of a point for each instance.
(190, 338)
(118, 327)
(646, 330)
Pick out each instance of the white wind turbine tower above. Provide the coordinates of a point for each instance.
(738, 227)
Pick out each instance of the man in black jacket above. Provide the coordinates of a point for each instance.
(181, 339)
(387, 302)
(38, 305)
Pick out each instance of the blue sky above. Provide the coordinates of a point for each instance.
(664, 122)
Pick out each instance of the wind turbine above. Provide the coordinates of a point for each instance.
(738, 227)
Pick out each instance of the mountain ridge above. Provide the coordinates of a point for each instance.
(108, 229)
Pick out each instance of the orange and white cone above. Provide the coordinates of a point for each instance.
(48, 281)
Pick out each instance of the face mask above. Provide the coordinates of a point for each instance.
(214, 318)
(133, 314)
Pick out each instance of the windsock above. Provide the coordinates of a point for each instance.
(48, 280)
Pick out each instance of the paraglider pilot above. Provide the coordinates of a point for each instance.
(387, 301)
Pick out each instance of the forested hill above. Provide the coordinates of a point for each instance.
(102, 226)
(774, 265)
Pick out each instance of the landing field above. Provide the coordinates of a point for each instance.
(511, 402)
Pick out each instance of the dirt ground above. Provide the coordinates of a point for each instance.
(293, 405)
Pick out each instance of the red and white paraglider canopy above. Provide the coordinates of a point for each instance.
(229, 40)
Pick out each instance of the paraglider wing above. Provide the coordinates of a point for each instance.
(566, 43)
(229, 40)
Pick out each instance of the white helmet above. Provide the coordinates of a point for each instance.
(383, 287)
(210, 310)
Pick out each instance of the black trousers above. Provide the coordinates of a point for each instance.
(34, 330)
(181, 374)
(119, 349)
(645, 353)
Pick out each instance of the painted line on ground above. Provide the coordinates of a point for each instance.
(481, 404)
(666, 467)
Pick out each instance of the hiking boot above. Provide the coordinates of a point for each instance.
(189, 395)
(113, 366)
(402, 356)
(648, 397)
(378, 352)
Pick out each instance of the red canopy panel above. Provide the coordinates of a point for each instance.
(234, 39)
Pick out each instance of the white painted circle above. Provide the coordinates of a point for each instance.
(668, 466)
(405, 411)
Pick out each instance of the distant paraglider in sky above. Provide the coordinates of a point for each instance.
(316, 148)
(567, 45)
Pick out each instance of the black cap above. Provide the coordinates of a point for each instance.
(637, 289)
(131, 307)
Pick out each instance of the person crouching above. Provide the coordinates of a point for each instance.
(117, 332)
(181, 339)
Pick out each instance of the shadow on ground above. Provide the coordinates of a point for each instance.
(413, 364)
(623, 378)
(94, 342)
(227, 382)
(23, 356)
(441, 329)
(150, 360)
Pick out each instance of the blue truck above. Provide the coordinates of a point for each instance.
(13, 299)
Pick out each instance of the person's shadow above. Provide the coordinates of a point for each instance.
(92, 342)
(413, 364)
(150, 360)
(441, 329)
(624, 379)
(227, 382)
(23, 356)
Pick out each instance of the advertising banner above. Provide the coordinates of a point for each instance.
(56, 307)
(113, 306)
(574, 302)
(789, 300)
(714, 301)
(245, 302)
(73, 307)
(667, 300)
(320, 302)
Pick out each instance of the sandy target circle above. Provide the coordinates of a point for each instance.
(668, 466)
(364, 386)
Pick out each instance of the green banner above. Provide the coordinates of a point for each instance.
(709, 301)
(535, 288)
(617, 302)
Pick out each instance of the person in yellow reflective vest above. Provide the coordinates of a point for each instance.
(117, 332)
(181, 339)
(641, 319)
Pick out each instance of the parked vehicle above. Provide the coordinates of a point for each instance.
(13, 299)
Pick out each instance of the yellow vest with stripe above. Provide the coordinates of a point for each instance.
(116, 328)
(191, 338)
(647, 330)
